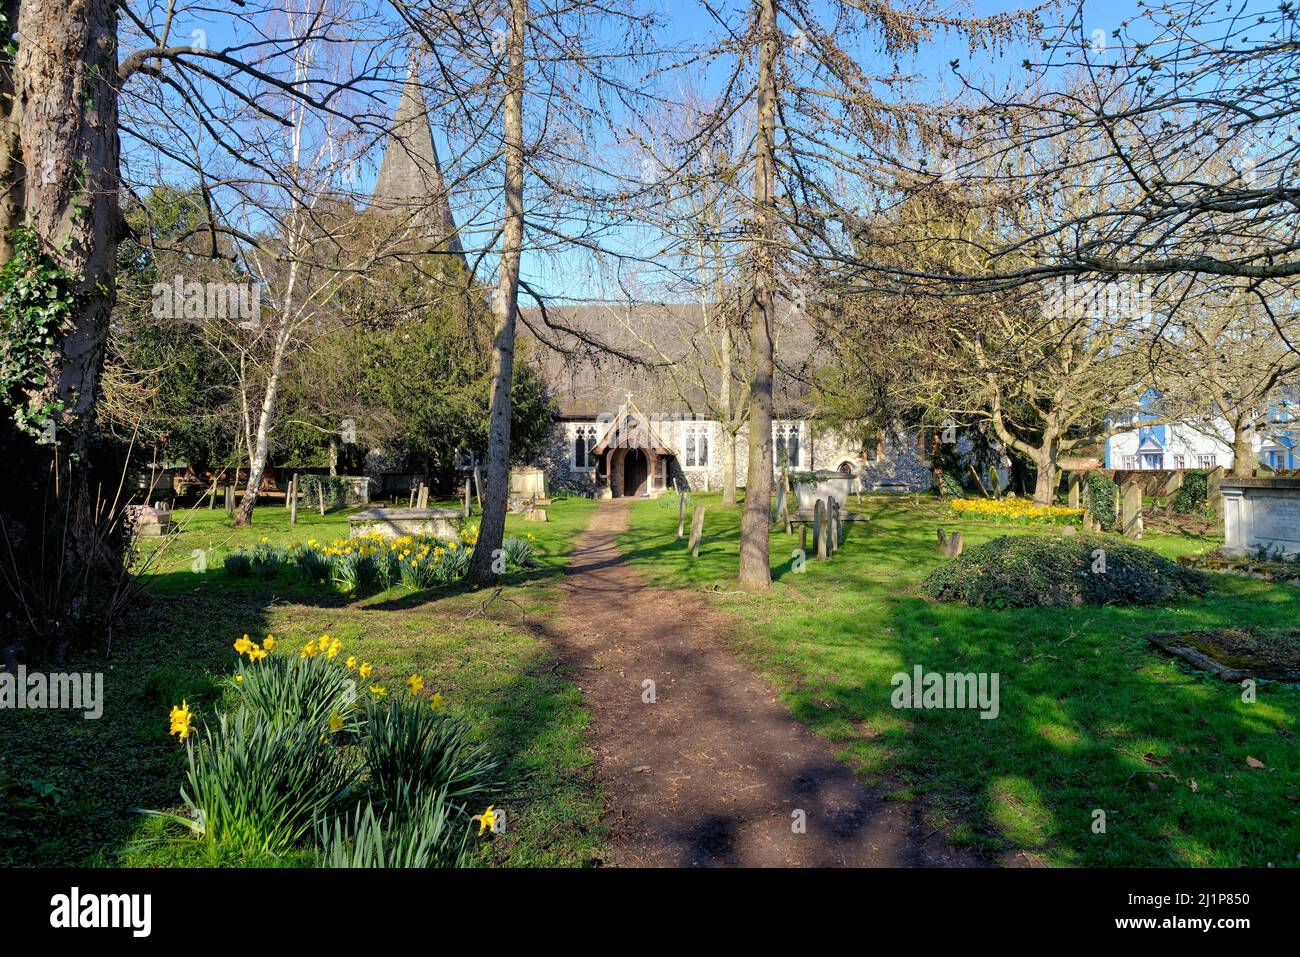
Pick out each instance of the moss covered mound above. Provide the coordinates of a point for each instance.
(1031, 570)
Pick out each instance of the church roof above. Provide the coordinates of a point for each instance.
(410, 183)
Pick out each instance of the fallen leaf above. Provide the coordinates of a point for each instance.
(641, 769)
(1254, 762)
(1193, 786)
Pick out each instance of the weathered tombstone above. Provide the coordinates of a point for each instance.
(697, 531)
(1075, 485)
(212, 497)
(422, 499)
(681, 513)
(293, 500)
(535, 514)
(230, 501)
(411, 501)
(834, 526)
(466, 510)
(819, 527)
(1172, 484)
(1131, 510)
(950, 546)
(1090, 522)
(320, 494)
(478, 488)
(803, 538)
(780, 501)
(1214, 489)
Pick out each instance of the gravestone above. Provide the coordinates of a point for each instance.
(819, 527)
(293, 500)
(1090, 524)
(1131, 510)
(410, 502)
(466, 509)
(803, 538)
(780, 501)
(834, 525)
(1213, 484)
(230, 501)
(1074, 482)
(950, 546)
(697, 531)
(422, 500)
(212, 497)
(681, 513)
(1261, 513)
(1172, 484)
(535, 514)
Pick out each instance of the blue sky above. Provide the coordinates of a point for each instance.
(687, 21)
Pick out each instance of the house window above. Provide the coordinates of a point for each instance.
(1180, 461)
(584, 440)
(1130, 462)
(1154, 461)
(1206, 461)
(696, 444)
(785, 444)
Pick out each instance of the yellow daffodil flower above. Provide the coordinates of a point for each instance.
(414, 684)
(182, 721)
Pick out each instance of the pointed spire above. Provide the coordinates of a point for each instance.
(410, 177)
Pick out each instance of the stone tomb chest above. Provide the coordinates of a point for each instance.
(1261, 512)
(443, 523)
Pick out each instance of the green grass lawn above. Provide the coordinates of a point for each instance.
(1092, 716)
(483, 658)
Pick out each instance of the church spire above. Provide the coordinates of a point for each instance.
(410, 177)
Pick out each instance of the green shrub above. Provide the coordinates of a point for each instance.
(1101, 497)
(267, 559)
(315, 565)
(1191, 497)
(518, 553)
(949, 485)
(356, 572)
(260, 785)
(1030, 570)
(410, 745)
(422, 830)
(238, 564)
(335, 487)
(294, 689)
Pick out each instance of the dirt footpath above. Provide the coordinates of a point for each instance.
(714, 772)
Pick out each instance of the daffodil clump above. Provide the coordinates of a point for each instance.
(1015, 511)
(299, 753)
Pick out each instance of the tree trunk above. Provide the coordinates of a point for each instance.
(11, 169)
(1047, 479)
(66, 110)
(1243, 450)
(262, 443)
(755, 572)
(728, 469)
(334, 456)
(492, 525)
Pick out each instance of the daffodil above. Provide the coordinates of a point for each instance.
(436, 701)
(269, 643)
(378, 691)
(243, 645)
(351, 662)
(414, 684)
(239, 679)
(487, 820)
(336, 723)
(365, 670)
(308, 650)
(182, 721)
